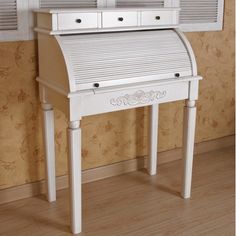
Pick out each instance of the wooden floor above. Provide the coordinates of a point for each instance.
(138, 205)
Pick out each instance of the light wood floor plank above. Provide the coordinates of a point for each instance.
(136, 204)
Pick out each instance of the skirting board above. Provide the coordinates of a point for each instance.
(33, 189)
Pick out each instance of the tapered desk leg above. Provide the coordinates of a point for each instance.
(152, 165)
(49, 144)
(74, 138)
(188, 147)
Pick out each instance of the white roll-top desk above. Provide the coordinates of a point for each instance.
(93, 61)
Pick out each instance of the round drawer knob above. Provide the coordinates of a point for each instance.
(78, 20)
(120, 19)
(96, 85)
(177, 75)
(158, 17)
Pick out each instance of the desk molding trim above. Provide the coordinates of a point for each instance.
(36, 188)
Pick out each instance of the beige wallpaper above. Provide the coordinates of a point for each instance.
(111, 137)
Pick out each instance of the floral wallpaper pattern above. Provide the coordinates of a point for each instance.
(111, 137)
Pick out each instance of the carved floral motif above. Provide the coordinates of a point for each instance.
(139, 97)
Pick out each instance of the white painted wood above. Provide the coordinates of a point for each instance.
(49, 146)
(67, 4)
(139, 60)
(100, 102)
(141, 3)
(14, 22)
(152, 166)
(188, 147)
(101, 3)
(168, 3)
(74, 142)
(88, 74)
(67, 21)
(209, 17)
(204, 15)
(116, 9)
(111, 3)
(104, 30)
(63, 21)
(158, 18)
(190, 51)
(32, 17)
(119, 19)
(172, 3)
(193, 90)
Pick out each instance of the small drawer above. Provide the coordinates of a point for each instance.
(119, 19)
(69, 21)
(158, 18)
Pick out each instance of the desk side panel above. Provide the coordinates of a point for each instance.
(52, 67)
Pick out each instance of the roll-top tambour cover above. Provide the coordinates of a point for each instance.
(110, 59)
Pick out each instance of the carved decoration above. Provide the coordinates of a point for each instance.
(139, 97)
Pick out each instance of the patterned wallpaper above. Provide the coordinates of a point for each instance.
(111, 137)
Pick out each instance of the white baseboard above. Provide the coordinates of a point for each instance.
(32, 189)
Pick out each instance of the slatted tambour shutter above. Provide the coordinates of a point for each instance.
(14, 20)
(140, 3)
(8, 15)
(116, 58)
(197, 15)
(68, 3)
(198, 11)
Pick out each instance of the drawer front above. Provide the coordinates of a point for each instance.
(69, 21)
(119, 19)
(104, 101)
(157, 18)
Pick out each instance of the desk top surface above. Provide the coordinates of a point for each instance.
(72, 10)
